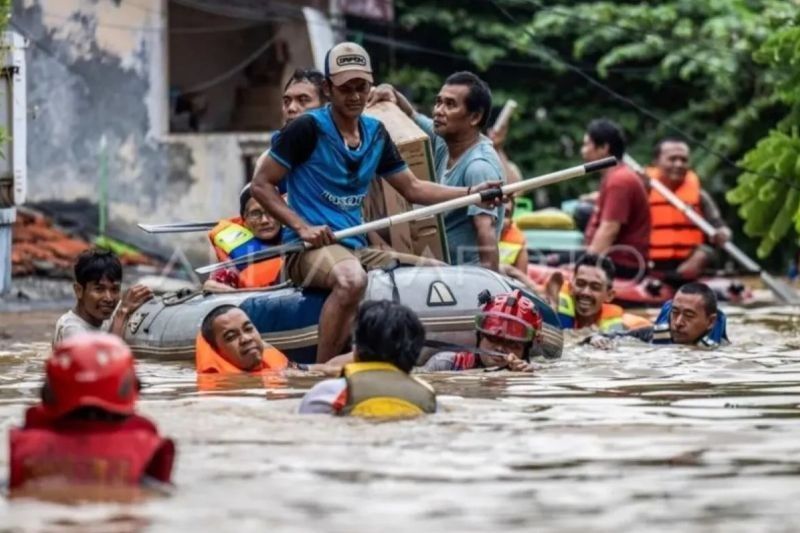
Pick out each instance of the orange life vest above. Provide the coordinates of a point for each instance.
(231, 236)
(512, 242)
(88, 452)
(208, 361)
(673, 236)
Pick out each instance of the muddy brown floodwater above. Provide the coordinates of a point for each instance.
(641, 438)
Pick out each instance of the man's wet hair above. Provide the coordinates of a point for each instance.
(705, 292)
(207, 329)
(603, 262)
(95, 264)
(388, 332)
(660, 144)
(479, 97)
(604, 131)
(310, 75)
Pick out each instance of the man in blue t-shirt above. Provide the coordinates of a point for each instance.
(463, 157)
(328, 157)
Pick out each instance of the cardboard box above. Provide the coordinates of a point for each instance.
(425, 237)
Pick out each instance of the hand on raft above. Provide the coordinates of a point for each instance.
(134, 298)
(601, 342)
(515, 364)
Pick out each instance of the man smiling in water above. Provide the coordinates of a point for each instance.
(691, 318)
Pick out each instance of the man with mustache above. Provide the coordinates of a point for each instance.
(463, 157)
(678, 247)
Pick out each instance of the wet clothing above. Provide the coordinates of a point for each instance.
(623, 198)
(512, 243)
(328, 180)
(209, 361)
(94, 452)
(371, 390)
(232, 240)
(452, 362)
(477, 165)
(70, 324)
(659, 333)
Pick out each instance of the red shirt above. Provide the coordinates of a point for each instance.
(623, 199)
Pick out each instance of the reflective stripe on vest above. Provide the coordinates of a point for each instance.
(673, 235)
(512, 242)
(103, 453)
(232, 240)
(610, 315)
(381, 390)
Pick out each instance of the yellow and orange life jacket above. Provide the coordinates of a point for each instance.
(231, 240)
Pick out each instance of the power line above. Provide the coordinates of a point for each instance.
(642, 110)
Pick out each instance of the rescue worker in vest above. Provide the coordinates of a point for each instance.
(85, 432)
(506, 328)
(229, 343)
(328, 157)
(252, 231)
(691, 318)
(676, 244)
(100, 304)
(387, 340)
(586, 301)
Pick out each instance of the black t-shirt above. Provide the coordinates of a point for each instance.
(296, 142)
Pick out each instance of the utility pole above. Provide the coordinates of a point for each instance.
(13, 144)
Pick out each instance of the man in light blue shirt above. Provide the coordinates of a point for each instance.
(463, 158)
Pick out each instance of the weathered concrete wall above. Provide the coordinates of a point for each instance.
(97, 82)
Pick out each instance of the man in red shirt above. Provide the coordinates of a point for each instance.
(620, 225)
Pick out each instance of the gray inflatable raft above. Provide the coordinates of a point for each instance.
(445, 298)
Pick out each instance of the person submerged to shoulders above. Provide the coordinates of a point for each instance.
(586, 301)
(387, 341)
(229, 343)
(99, 302)
(85, 431)
(253, 231)
(506, 328)
(691, 318)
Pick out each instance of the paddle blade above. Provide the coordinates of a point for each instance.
(177, 227)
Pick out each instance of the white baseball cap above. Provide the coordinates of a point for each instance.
(347, 61)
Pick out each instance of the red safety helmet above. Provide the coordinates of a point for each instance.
(90, 370)
(512, 316)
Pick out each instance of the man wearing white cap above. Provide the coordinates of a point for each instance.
(328, 157)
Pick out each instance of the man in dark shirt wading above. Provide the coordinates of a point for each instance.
(328, 157)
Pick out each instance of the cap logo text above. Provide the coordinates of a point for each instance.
(351, 59)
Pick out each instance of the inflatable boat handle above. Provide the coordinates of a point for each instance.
(421, 212)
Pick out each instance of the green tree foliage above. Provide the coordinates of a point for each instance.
(707, 68)
(770, 184)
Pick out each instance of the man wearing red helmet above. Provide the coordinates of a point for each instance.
(507, 327)
(85, 431)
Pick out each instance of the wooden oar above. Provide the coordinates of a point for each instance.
(781, 289)
(422, 212)
(177, 227)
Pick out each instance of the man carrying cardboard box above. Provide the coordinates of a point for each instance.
(328, 157)
(463, 157)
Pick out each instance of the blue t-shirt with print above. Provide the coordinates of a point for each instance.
(327, 180)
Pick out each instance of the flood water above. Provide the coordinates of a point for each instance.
(656, 439)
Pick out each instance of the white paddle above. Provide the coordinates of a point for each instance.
(422, 212)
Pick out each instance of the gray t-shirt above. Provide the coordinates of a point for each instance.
(477, 165)
(70, 324)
